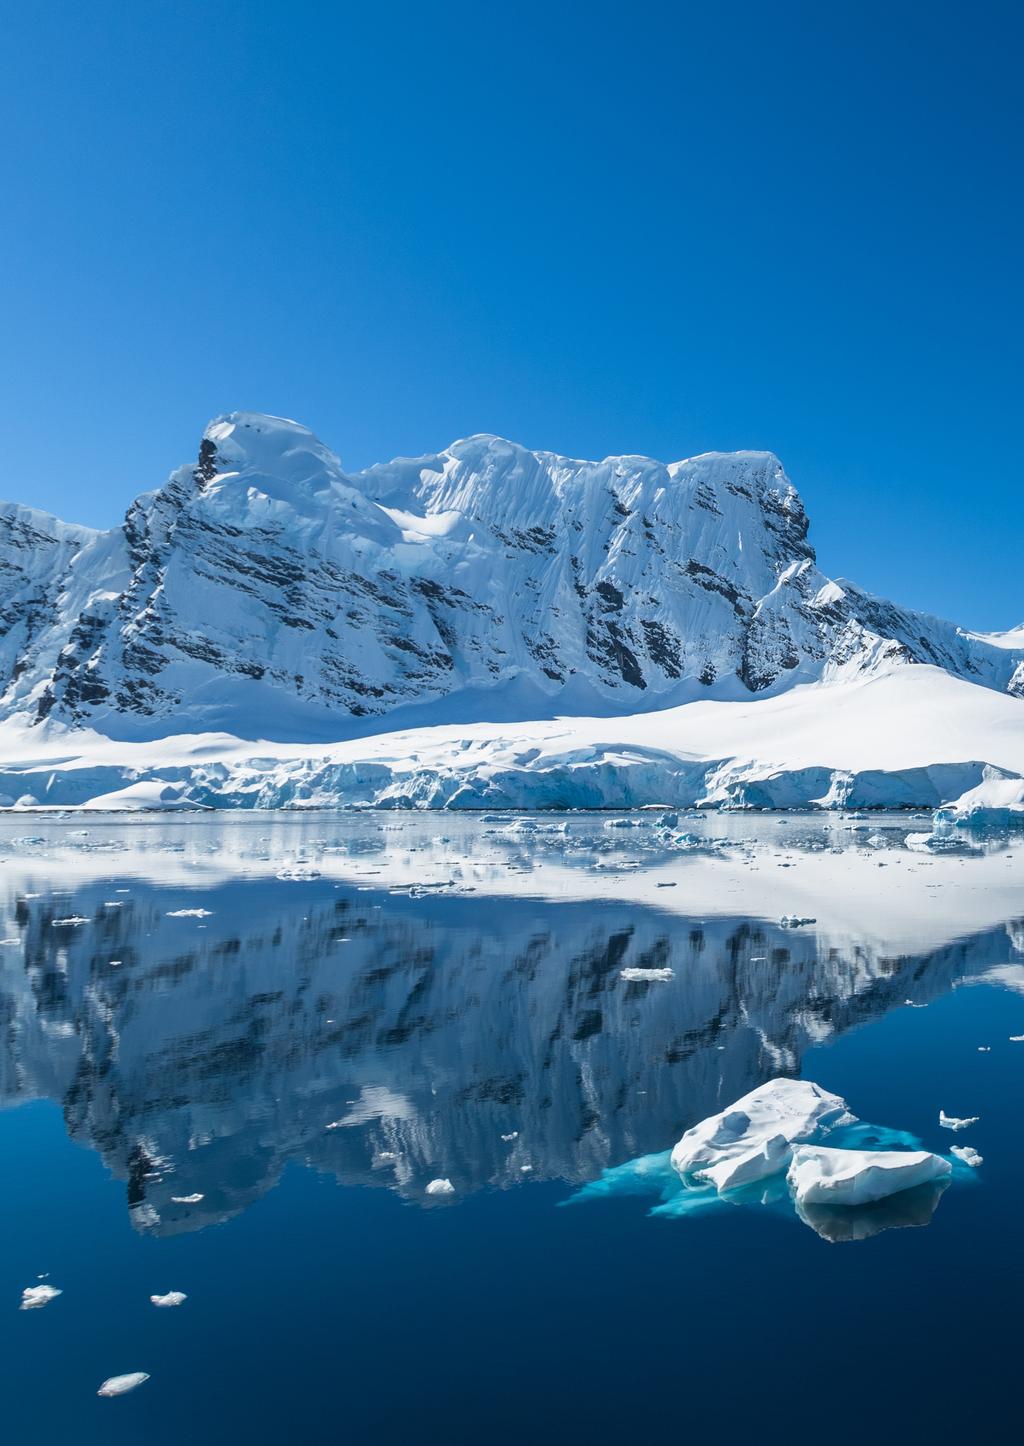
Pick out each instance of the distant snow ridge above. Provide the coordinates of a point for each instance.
(265, 589)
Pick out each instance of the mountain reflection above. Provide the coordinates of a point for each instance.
(388, 1040)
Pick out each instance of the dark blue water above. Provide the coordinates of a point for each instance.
(329, 1298)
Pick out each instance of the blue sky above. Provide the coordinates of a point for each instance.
(596, 229)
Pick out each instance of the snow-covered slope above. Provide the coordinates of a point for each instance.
(265, 592)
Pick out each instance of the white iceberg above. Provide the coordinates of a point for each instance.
(951, 1122)
(753, 1138)
(969, 1156)
(440, 1187)
(637, 975)
(34, 1297)
(186, 1199)
(189, 913)
(821, 1176)
(172, 1298)
(121, 1385)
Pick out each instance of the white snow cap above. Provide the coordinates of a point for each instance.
(820, 1176)
(753, 1138)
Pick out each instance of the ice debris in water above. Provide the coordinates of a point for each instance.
(636, 975)
(173, 1297)
(189, 913)
(950, 1122)
(297, 873)
(440, 1187)
(753, 1138)
(513, 1135)
(69, 923)
(794, 921)
(1017, 1038)
(34, 1297)
(821, 1176)
(968, 1155)
(984, 1049)
(186, 1199)
(121, 1385)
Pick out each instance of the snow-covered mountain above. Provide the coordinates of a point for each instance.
(265, 592)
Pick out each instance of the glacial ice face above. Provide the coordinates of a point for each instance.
(819, 1175)
(753, 1138)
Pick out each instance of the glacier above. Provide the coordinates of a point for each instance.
(484, 627)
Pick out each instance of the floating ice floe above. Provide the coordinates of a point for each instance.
(794, 921)
(951, 1122)
(968, 1155)
(1017, 1038)
(636, 975)
(984, 1049)
(818, 1175)
(186, 1199)
(440, 1187)
(121, 1385)
(69, 923)
(298, 873)
(753, 1138)
(513, 1135)
(172, 1298)
(189, 913)
(34, 1297)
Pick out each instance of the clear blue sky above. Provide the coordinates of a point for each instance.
(594, 228)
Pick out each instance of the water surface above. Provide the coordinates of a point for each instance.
(305, 1020)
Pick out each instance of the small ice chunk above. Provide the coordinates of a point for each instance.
(70, 923)
(648, 975)
(950, 1122)
(968, 1155)
(820, 1176)
(440, 1187)
(189, 913)
(34, 1297)
(514, 1135)
(186, 1199)
(298, 873)
(753, 1138)
(794, 921)
(121, 1385)
(173, 1297)
(984, 1049)
(1017, 1038)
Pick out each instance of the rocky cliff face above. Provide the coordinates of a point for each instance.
(265, 591)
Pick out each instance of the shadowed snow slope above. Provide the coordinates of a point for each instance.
(265, 593)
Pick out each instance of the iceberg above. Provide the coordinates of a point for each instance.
(440, 1187)
(172, 1298)
(121, 1385)
(821, 1176)
(968, 1155)
(753, 1138)
(34, 1297)
(839, 1224)
(952, 1122)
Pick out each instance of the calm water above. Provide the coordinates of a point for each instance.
(310, 1051)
